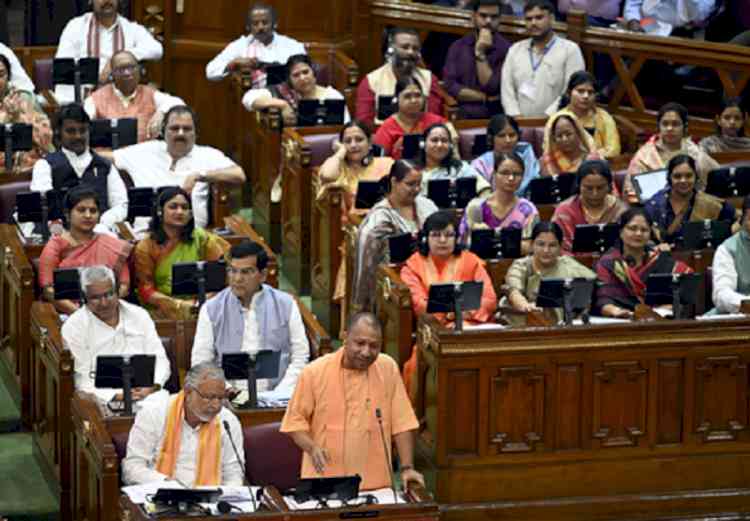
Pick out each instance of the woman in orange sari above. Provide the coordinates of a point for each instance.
(80, 246)
(441, 259)
(411, 118)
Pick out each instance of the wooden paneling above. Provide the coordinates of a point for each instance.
(586, 412)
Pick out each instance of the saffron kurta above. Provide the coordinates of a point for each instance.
(336, 406)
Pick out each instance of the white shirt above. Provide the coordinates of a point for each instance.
(526, 92)
(74, 44)
(117, 194)
(204, 350)
(19, 78)
(675, 13)
(163, 102)
(322, 93)
(147, 436)
(149, 165)
(88, 337)
(278, 51)
(725, 295)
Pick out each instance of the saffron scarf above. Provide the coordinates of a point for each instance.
(209, 446)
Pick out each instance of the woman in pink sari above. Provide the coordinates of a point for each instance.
(79, 246)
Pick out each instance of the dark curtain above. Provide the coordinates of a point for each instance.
(45, 19)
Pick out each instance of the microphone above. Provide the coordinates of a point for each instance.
(241, 462)
(379, 416)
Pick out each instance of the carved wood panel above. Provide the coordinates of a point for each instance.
(620, 403)
(516, 409)
(720, 398)
(568, 407)
(462, 408)
(669, 401)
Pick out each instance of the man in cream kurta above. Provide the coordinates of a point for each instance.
(332, 415)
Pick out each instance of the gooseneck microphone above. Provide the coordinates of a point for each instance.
(241, 462)
(379, 416)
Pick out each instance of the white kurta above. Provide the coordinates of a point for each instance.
(725, 295)
(88, 337)
(147, 437)
(117, 194)
(205, 351)
(74, 44)
(150, 165)
(278, 51)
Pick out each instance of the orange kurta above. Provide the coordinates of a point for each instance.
(420, 272)
(336, 406)
(142, 107)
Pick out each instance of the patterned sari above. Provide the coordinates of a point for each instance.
(554, 162)
(18, 107)
(571, 213)
(153, 263)
(624, 285)
(479, 215)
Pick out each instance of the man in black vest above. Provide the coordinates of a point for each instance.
(74, 163)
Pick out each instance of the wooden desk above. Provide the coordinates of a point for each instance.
(645, 410)
(410, 511)
(95, 466)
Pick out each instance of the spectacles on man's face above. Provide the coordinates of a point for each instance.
(209, 398)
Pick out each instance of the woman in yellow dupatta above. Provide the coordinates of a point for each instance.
(580, 99)
(441, 259)
(173, 238)
(566, 145)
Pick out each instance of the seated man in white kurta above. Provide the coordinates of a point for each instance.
(187, 437)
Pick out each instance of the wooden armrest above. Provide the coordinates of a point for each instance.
(272, 499)
(636, 136)
(417, 493)
(450, 105)
(644, 312)
(531, 122)
(344, 61)
(745, 307)
(320, 340)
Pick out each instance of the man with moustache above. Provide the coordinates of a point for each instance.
(403, 56)
(262, 46)
(249, 316)
(101, 34)
(127, 98)
(335, 413)
(75, 163)
(536, 70)
(106, 325)
(184, 437)
(472, 68)
(177, 160)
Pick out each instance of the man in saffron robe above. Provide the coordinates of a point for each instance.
(338, 403)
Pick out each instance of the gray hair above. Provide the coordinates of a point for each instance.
(203, 371)
(94, 274)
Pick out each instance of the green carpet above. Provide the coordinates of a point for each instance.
(10, 413)
(25, 491)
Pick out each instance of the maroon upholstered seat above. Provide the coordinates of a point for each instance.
(43, 74)
(320, 147)
(272, 458)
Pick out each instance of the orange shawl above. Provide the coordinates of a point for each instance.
(209, 446)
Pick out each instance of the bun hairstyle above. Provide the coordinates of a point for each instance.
(547, 227)
(593, 167)
(576, 79)
(438, 221)
(156, 227)
(399, 170)
(680, 159)
(361, 125)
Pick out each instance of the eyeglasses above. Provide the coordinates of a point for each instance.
(442, 235)
(208, 398)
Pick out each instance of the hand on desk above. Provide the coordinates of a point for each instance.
(409, 475)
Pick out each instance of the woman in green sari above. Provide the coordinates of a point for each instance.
(173, 238)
